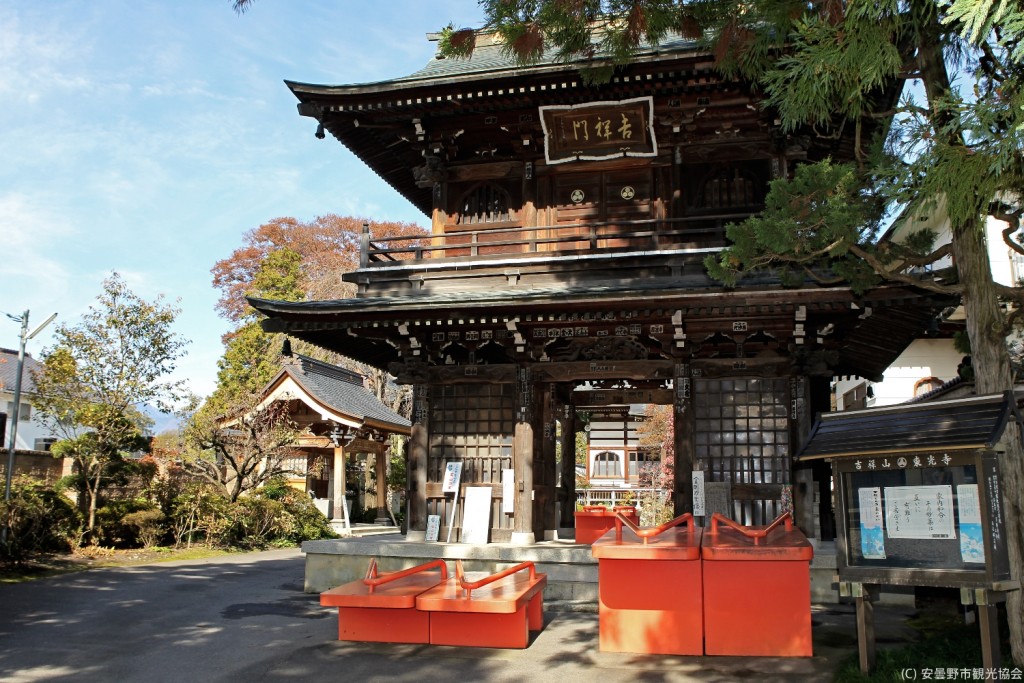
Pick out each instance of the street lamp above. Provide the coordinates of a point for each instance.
(25, 336)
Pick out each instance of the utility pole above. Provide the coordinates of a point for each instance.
(24, 337)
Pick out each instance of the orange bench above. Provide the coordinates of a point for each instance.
(649, 588)
(493, 611)
(382, 609)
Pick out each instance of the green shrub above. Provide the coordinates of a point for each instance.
(275, 489)
(149, 526)
(40, 521)
(308, 523)
(259, 520)
(111, 529)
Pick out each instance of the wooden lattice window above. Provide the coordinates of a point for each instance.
(742, 436)
(485, 203)
(638, 460)
(472, 424)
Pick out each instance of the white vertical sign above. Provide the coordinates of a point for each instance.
(452, 475)
(697, 477)
(508, 491)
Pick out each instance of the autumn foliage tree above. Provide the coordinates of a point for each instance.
(290, 260)
(657, 435)
(327, 246)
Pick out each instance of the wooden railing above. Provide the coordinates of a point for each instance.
(554, 240)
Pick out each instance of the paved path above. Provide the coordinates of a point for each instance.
(245, 618)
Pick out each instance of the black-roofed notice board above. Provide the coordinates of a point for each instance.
(921, 519)
(918, 493)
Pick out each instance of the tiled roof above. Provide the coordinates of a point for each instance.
(9, 371)
(342, 390)
(492, 59)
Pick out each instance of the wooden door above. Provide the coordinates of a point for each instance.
(601, 208)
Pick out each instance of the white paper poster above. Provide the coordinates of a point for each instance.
(872, 535)
(924, 512)
(972, 546)
(433, 527)
(476, 515)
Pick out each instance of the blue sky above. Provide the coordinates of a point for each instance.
(146, 137)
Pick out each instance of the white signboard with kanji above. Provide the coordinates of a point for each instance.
(919, 512)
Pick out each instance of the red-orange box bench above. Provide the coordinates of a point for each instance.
(494, 611)
(649, 585)
(757, 589)
(382, 609)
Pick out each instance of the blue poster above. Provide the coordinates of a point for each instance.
(972, 546)
(872, 535)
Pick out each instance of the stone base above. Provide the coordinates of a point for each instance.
(571, 568)
(523, 538)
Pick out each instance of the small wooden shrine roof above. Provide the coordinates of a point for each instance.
(968, 423)
(334, 392)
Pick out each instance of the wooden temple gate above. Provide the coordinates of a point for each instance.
(559, 259)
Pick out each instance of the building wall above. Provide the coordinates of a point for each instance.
(29, 430)
(933, 357)
(40, 466)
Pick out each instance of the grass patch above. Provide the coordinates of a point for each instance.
(41, 567)
(945, 643)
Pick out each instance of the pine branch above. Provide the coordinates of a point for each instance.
(896, 276)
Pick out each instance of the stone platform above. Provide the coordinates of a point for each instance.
(570, 566)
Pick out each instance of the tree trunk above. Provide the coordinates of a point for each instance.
(992, 374)
(93, 487)
(985, 323)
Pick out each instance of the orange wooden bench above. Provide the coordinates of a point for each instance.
(382, 609)
(493, 611)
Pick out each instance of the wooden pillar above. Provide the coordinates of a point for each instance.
(865, 601)
(382, 486)
(683, 427)
(568, 513)
(419, 446)
(339, 514)
(547, 472)
(522, 461)
(311, 460)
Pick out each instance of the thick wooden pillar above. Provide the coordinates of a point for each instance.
(339, 514)
(522, 461)
(419, 446)
(683, 425)
(546, 472)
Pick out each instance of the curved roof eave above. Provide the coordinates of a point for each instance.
(427, 78)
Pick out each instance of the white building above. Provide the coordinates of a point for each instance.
(931, 361)
(31, 436)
